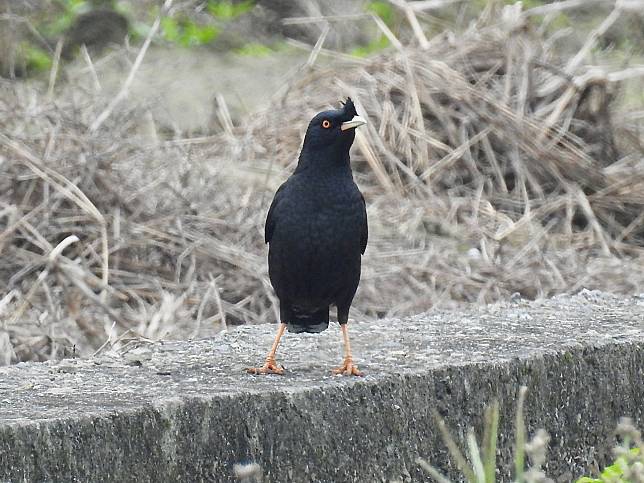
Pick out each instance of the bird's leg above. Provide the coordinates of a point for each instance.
(347, 368)
(270, 365)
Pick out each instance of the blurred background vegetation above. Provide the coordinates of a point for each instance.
(256, 27)
(141, 143)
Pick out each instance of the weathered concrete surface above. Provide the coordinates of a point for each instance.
(185, 411)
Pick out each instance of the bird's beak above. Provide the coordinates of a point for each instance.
(357, 121)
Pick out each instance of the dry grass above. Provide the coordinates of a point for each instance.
(490, 166)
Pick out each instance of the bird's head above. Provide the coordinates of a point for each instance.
(331, 133)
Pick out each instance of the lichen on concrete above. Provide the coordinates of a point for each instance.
(186, 411)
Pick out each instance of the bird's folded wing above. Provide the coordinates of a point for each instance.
(364, 234)
(271, 219)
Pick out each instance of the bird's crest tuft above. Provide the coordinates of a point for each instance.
(349, 108)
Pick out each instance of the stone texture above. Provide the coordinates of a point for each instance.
(186, 411)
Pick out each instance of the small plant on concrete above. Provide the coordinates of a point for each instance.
(628, 466)
(481, 467)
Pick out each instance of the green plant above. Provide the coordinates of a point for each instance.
(187, 33)
(384, 10)
(61, 22)
(226, 10)
(73, 6)
(36, 59)
(481, 467)
(628, 466)
(253, 49)
(371, 48)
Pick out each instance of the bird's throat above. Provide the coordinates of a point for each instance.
(330, 160)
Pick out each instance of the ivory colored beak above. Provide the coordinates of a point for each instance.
(357, 121)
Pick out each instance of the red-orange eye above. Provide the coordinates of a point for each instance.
(326, 124)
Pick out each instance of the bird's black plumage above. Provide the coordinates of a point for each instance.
(316, 228)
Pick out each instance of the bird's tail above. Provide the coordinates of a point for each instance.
(309, 322)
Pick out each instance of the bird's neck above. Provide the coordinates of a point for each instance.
(328, 161)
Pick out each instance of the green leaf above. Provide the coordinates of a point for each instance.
(140, 30)
(187, 33)
(372, 47)
(614, 472)
(490, 437)
(194, 34)
(253, 49)
(36, 58)
(227, 10)
(207, 34)
(454, 450)
(384, 10)
(519, 438)
(170, 29)
(58, 25)
(75, 6)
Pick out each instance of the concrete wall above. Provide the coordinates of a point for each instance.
(186, 411)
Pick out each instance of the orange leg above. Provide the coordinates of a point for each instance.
(347, 368)
(270, 366)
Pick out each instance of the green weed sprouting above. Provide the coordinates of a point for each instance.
(372, 47)
(227, 10)
(36, 58)
(187, 33)
(481, 466)
(628, 466)
(384, 10)
(254, 49)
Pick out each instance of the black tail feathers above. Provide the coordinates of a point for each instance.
(313, 323)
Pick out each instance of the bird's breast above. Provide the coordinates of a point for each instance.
(324, 218)
(315, 250)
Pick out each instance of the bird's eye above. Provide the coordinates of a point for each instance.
(326, 124)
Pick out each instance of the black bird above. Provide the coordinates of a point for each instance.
(316, 229)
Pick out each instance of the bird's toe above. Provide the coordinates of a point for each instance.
(268, 368)
(348, 369)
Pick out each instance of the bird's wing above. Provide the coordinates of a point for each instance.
(271, 218)
(364, 233)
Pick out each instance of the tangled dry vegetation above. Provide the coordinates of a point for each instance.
(490, 166)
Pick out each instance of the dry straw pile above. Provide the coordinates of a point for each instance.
(490, 166)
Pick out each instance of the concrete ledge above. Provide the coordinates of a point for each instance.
(185, 411)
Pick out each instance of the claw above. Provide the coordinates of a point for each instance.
(348, 369)
(269, 367)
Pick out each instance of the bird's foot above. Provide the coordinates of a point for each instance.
(269, 367)
(348, 368)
